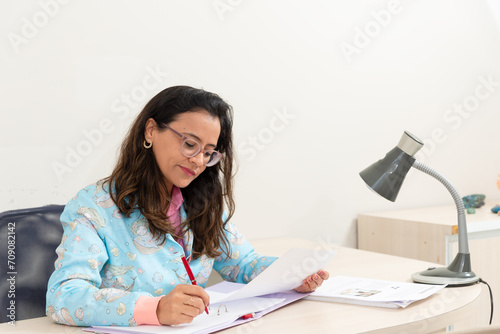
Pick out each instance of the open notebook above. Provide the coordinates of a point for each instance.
(372, 292)
(272, 289)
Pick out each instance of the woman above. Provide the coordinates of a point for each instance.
(120, 258)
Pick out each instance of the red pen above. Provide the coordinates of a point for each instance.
(247, 316)
(190, 274)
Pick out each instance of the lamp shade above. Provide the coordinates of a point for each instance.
(386, 176)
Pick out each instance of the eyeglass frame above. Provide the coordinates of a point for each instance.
(184, 138)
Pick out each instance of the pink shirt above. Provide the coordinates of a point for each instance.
(145, 307)
(174, 213)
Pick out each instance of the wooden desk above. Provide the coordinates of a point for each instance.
(433, 314)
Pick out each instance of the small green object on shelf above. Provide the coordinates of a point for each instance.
(471, 210)
(473, 201)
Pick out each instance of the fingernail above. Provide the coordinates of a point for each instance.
(316, 277)
(321, 272)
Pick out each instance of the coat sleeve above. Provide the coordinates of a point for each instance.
(75, 295)
(243, 264)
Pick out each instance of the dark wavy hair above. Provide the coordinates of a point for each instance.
(137, 181)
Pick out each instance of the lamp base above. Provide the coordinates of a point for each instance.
(445, 276)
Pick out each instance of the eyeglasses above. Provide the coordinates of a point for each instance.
(191, 148)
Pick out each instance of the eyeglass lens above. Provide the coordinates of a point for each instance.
(190, 148)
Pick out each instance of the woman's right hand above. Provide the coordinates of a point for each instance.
(182, 305)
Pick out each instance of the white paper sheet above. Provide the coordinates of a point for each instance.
(372, 292)
(204, 322)
(200, 323)
(286, 273)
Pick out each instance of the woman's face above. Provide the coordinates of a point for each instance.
(177, 169)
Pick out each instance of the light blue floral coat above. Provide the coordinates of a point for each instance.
(106, 261)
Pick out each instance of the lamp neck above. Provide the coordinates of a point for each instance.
(463, 245)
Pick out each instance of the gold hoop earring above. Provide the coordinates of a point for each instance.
(147, 146)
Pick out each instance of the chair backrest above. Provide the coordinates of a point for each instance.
(28, 239)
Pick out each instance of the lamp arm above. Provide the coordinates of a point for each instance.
(463, 245)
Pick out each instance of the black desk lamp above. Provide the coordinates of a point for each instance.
(386, 176)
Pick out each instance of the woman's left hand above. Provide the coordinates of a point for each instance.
(311, 283)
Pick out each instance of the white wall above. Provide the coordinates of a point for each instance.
(316, 99)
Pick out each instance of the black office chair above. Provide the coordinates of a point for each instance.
(28, 239)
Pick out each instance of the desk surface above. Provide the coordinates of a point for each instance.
(445, 308)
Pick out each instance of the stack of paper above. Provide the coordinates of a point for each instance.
(219, 318)
(371, 292)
